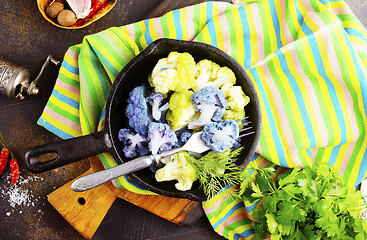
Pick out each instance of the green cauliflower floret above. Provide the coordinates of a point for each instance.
(209, 73)
(181, 110)
(236, 102)
(174, 73)
(178, 168)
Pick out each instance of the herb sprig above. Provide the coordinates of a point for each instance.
(216, 170)
(308, 203)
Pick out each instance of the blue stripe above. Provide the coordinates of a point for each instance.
(133, 183)
(229, 213)
(331, 89)
(244, 234)
(356, 33)
(210, 25)
(276, 25)
(147, 35)
(250, 208)
(70, 68)
(65, 99)
(273, 127)
(177, 21)
(103, 80)
(246, 36)
(299, 98)
(358, 68)
(53, 129)
(106, 63)
(362, 169)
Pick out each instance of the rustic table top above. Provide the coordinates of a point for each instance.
(27, 39)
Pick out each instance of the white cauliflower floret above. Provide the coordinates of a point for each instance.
(178, 168)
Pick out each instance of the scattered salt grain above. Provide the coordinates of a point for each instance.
(17, 195)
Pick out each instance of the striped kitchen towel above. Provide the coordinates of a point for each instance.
(306, 58)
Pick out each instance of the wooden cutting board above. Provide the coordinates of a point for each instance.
(86, 210)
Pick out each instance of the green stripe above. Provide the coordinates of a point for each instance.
(267, 41)
(232, 34)
(68, 80)
(288, 111)
(314, 81)
(233, 226)
(64, 113)
(341, 58)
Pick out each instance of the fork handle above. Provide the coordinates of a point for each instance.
(95, 179)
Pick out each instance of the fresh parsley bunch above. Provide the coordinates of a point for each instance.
(303, 203)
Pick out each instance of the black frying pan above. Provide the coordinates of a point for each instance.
(135, 73)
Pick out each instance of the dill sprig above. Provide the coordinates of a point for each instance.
(216, 170)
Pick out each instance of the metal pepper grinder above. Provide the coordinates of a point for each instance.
(15, 80)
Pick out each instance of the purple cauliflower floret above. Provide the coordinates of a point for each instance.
(185, 136)
(211, 103)
(220, 136)
(161, 137)
(134, 143)
(155, 100)
(137, 110)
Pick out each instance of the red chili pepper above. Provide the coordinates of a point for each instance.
(14, 168)
(4, 156)
(96, 4)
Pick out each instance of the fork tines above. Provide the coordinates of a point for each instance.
(245, 122)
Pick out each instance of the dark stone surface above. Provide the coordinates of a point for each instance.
(27, 39)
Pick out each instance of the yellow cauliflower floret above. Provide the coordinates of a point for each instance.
(181, 110)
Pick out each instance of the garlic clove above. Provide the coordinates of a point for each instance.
(81, 8)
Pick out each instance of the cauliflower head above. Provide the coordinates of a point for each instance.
(181, 110)
(209, 73)
(236, 102)
(174, 73)
(178, 168)
(137, 110)
(220, 136)
(211, 103)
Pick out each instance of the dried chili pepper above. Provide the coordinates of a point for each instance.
(14, 166)
(96, 4)
(14, 169)
(4, 156)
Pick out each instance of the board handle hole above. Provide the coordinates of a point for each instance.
(81, 201)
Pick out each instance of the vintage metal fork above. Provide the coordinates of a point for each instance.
(194, 144)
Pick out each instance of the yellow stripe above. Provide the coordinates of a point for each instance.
(296, 114)
(293, 17)
(239, 37)
(130, 45)
(240, 228)
(323, 87)
(171, 26)
(282, 22)
(253, 36)
(73, 62)
(266, 126)
(307, 100)
(183, 20)
(221, 214)
(152, 30)
(270, 26)
(142, 40)
(218, 27)
(69, 94)
(60, 125)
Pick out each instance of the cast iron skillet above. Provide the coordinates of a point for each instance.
(135, 73)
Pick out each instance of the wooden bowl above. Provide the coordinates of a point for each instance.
(42, 4)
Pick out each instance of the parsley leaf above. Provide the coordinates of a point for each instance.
(303, 203)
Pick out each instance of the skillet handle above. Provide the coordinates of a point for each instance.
(68, 151)
(95, 179)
